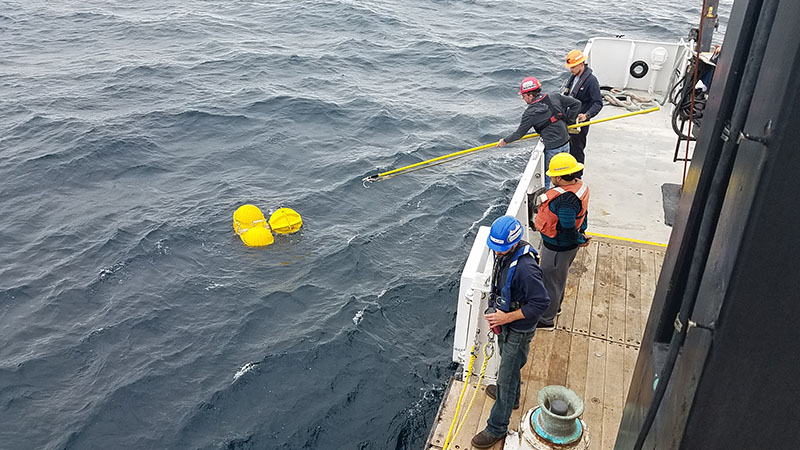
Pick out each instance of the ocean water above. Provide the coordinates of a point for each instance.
(132, 317)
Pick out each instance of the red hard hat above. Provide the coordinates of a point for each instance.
(529, 84)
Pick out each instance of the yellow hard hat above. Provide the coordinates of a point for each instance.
(574, 58)
(250, 225)
(563, 164)
(285, 221)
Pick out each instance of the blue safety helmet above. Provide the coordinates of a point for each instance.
(506, 231)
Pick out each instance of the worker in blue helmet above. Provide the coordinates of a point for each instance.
(516, 301)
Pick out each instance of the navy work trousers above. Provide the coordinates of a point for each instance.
(577, 145)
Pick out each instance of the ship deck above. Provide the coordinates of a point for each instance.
(629, 165)
(592, 350)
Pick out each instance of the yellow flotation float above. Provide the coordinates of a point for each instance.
(252, 227)
(285, 221)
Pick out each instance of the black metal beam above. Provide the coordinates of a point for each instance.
(710, 23)
(732, 192)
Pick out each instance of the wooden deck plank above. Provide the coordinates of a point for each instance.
(525, 374)
(540, 363)
(488, 403)
(616, 289)
(595, 387)
(633, 291)
(565, 320)
(483, 417)
(448, 410)
(578, 359)
(629, 363)
(613, 393)
(583, 304)
(598, 327)
(648, 271)
(559, 359)
(472, 421)
(658, 255)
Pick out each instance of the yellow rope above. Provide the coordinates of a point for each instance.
(472, 358)
(638, 241)
(482, 147)
(486, 357)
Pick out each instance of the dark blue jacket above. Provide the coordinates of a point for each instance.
(527, 289)
(587, 91)
(554, 135)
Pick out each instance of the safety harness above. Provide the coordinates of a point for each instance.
(555, 114)
(504, 303)
(582, 79)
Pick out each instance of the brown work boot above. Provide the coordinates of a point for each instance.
(491, 391)
(485, 440)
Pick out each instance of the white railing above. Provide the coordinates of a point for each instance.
(639, 65)
(473, 293)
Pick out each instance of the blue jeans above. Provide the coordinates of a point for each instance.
(548, 154)
(513, 347)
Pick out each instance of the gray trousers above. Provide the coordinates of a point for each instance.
(555, 266)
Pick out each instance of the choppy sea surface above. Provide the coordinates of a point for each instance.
(132, 317)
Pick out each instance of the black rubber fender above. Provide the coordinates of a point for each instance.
(639, 69)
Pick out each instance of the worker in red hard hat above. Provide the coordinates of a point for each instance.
(582, 85)
(548, 114)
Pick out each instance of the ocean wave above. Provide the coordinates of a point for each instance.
(348, 353)
(46, 133)
(300, 107)
(244, 369)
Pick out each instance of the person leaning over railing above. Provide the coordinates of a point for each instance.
(548, 114)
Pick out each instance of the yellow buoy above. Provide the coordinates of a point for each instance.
(285, 221)
(257, 237)
(251, 226)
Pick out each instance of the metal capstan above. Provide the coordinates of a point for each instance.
(555, 423)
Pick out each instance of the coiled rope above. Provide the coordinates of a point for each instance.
(627, 100)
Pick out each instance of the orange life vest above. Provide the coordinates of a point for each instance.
(546, 220)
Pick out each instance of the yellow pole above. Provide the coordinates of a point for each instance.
(482, 147)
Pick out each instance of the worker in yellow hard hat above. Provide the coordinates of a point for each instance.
(582, 85)
(561, 220)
